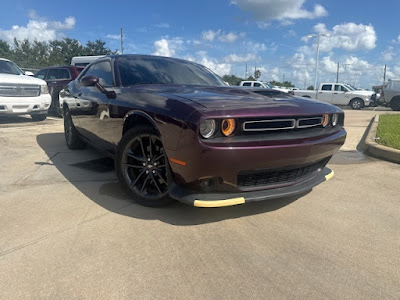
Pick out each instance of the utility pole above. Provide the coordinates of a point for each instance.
(317, 35)
(384, 75)
(337, 73)
(245, 75)
(122, 42)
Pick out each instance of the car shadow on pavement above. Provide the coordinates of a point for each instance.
(92, 173)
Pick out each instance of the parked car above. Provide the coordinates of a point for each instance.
(391, 94)
(176, 131)
(21, 94)
(57, 77)
(340, 94)
(260, 84)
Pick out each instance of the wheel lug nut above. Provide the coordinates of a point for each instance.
(147, 171)
(154, 172)
(148, 159)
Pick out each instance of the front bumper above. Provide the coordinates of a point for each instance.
(25, 105)
(229, 199)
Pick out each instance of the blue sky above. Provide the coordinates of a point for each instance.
(224, 35)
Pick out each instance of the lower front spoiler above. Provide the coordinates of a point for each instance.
(229, 199)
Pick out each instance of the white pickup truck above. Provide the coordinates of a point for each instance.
(340, 94)
(260, 84)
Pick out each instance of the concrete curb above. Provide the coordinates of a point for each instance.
(372, 148)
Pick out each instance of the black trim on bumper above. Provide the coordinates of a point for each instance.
(228, 199)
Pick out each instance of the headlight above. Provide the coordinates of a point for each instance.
(207, 128)
(44, 89)
(325, 119)
(228, 126)
(335, 119)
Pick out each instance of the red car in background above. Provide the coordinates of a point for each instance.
(57, 77)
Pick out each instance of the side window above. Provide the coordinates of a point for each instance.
(256, 84)
(340, 88)
(103, 71)
(63, 74)
(55, 74)
(41, 74)
(326, 87)
(247, 84)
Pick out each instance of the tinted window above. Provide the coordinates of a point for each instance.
(256, 84)
(41, 74)
(58, 74)
(247, 84)
(103, 71)
(326, 87)
(9, 67)
(161, 70)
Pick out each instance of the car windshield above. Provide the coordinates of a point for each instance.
(161, 70)
(351, 88)
(8, 67)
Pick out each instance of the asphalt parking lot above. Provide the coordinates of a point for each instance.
(68, 230)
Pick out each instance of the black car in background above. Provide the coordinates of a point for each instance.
(57, 77)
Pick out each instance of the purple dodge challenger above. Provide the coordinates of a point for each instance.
(176, 131)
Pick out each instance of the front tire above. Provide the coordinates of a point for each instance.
(142, 166)
(356, 104)
(72, 137)
(395, 104)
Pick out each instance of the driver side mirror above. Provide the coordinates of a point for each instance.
(90, 80)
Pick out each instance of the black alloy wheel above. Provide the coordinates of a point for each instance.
(72, 137)
(142, 166)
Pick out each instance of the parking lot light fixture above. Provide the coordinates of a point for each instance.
(317, 35)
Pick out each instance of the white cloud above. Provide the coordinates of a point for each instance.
(266, 10)
(388, 54)
(167, 47)
(38, 29)
(229, 37)
(235, 58)
(113, 36)
(347, 36)
(210, 35)
(219, 68)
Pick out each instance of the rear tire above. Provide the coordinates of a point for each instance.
(72, 136)
(39, 117)
(357, 103)
(142, 166)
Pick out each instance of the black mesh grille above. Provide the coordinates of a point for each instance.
(272, 177)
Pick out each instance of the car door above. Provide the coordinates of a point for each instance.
(339, 97)
(93, 106)
(57, 79)
(325, 93)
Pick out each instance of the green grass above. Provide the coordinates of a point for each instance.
(389, 131)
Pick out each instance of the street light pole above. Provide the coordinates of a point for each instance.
(317, 35)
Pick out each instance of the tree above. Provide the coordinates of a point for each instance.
(5, 50)
(311, 87)
(232, 79)
(97, 48)
(257, 74)
(287, 84)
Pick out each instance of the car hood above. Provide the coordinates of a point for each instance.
(362, 93)
(232, 100)
(20, 79)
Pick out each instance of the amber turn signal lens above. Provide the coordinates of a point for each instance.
(325, 120)
(228, 126)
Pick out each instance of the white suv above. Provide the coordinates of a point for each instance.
(21, 94)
